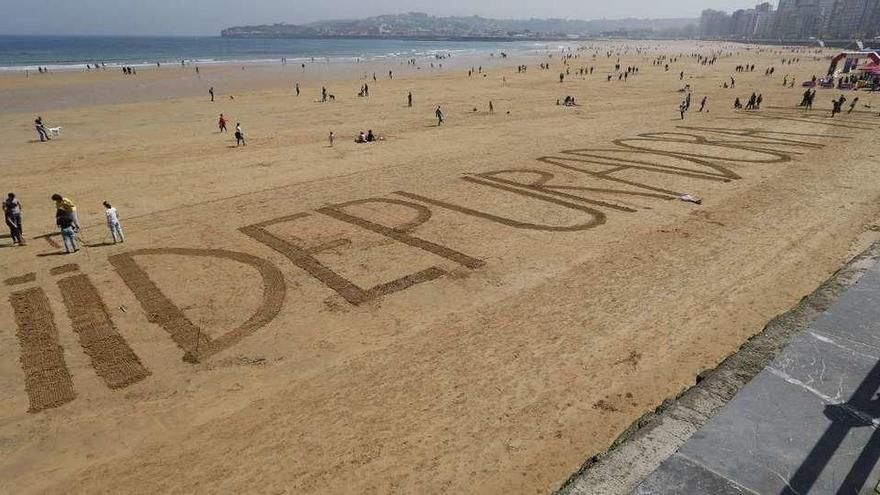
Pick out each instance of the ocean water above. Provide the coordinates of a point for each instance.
(20, 53)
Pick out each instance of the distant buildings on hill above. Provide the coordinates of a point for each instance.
(415, 25)
(796, 19)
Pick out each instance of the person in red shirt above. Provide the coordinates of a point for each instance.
(222, 123)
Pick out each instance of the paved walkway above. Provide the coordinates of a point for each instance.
(807, 423)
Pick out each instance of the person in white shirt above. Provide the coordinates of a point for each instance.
(239, 136)
(113, 223)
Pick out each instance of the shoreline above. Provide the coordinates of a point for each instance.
(72, 89)
(276, 50)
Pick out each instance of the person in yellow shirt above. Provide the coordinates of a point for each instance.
(68, 208)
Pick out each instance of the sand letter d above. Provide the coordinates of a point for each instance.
(196, 343)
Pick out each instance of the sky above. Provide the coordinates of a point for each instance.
(208, 17)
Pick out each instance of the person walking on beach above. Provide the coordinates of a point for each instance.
(852, 105)
(836, 104)
(12, 214)
(113, 223)
(41, 129)
(439, 114)
(323, 94)
(332, 138)
(296, 87)
(491, 107)
(703, 103)
(239, 136)
(682, 108)
(68, 233)
(68, 207)
(409, 99)
(211, 92)
(222, 123)
(758, 101)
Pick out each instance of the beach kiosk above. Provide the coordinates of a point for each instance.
(851, 70)
(851, 61)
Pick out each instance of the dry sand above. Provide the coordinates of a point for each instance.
(458, 333)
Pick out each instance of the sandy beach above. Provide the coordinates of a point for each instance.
(477, 307)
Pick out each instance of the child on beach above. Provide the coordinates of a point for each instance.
(113, 223)
(332, 138)
(239, 136)
(68, 234)
(222, 123)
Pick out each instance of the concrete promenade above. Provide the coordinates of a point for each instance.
(795, 411)
(807, 423)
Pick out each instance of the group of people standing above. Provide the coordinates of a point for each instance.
(754, 102)
(66, 218)
(836, 104)
(807, 100)
(239, 134)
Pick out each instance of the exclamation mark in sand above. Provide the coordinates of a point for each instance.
(112, 358)
(46, 378)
